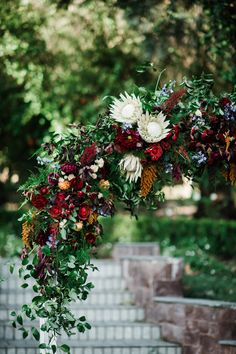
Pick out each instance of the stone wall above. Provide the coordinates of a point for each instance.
(149, 276)
(198, 325)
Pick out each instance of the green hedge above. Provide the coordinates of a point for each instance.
(216, 237)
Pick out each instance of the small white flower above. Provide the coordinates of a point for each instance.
(131, 166)
(198, 113)
(70, 177)
(153, 128)
(93, 175)
(100, 195)
(100, 163)
(61, 179)
(94, 168)
(127, 109)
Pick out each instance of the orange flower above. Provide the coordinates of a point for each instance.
(64, 185)
(27, 229)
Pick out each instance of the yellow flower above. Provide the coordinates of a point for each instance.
(104, 184)
(78, 226)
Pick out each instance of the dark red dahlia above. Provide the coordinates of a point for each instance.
(55, 211)
(165, 145)
(127, 139)
(39, 201)
(53, 178)
(155, 151)
(69, 168)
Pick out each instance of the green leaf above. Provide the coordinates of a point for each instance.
(25, 285)
(54, 348)
(42, 346)
(35, 333)
(87, 325)
(19, 319)
(13, 313)
(46, 250)
(82, 319)
(11, 268)
(25, 261)
(63, 234)
(25, 334)
(65, 348)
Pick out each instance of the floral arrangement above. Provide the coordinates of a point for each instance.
(144, 141)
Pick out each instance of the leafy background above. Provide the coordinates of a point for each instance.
(60, 58)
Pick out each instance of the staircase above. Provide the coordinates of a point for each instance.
(118, 326)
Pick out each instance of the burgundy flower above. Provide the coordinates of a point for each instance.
(55, 211)
(69, 168)
(80, 194)
(224, 101)
(44, 190)
(155, 151)
(60, 198)
(127, 139)
(77, 183)
(90, 237)
(84, 212)
(175, 132)
(39, 201)
(41, 238)
(53, 178)
(88, 155)
(165, 145)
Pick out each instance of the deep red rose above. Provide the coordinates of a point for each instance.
(127, 139)
(69, 168)
(224, 101)
(53, 178)
(55, 211)
(44, 190)
(84, 212)
(90, 238)
(88, 188)
(155, 151)
(39, 201)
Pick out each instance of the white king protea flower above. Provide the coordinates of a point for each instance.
(127, 109)
(132, 167)
(153, 128)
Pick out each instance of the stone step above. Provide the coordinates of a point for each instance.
(96, 347)
(106, 268)
(94, 312)
(109, 283)
(24, 296)
(109, 330)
